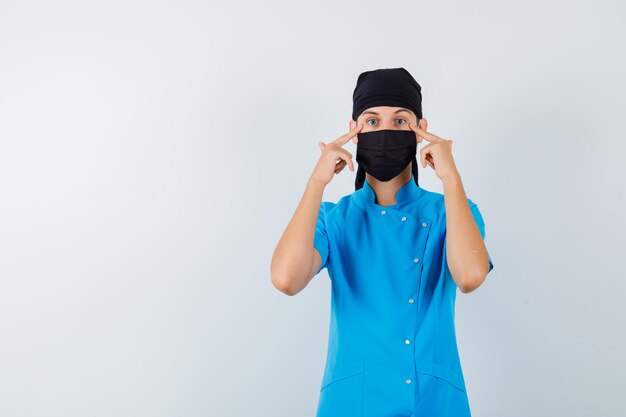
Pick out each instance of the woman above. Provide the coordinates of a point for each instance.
(395, 254)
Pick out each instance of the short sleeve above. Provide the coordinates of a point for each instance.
(481, 226)
(321, 236)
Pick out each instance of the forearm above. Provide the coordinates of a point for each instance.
(466, 252)
(292, 260)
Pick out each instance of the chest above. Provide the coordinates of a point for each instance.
(377, 250)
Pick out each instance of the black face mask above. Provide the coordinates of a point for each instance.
(385, 153)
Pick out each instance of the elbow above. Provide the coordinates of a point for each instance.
(473, 278)
(284, 287)
(471, 283)
(465, 287)
(288, 277)
(283, 284)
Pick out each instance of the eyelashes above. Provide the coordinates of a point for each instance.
(404, 120)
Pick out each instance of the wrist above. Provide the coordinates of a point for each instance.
(316, 182)
(452, 178)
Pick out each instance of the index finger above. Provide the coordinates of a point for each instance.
(343, 139)
(428, 136)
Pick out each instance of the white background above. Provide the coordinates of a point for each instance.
(152, 153)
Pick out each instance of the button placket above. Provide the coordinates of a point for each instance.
(411, 300)
(423, 227)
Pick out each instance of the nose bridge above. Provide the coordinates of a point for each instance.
(388, 123)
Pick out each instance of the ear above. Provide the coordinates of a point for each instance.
(351, 125)
(423, 124)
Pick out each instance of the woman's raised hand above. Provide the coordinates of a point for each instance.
(334, 158)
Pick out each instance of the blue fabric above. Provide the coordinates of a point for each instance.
(392, 347)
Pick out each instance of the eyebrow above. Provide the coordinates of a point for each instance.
(395, 112)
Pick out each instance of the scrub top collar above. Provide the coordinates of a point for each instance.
(407, 194)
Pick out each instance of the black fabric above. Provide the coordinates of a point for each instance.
(360, 174)
(386, 87)
(385, 153)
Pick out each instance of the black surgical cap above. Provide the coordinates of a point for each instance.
(394, 87)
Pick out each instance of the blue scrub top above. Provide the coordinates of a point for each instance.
(392, 347)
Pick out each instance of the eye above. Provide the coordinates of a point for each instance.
(369, 120)
(402, 120)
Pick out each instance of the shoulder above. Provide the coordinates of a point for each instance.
(342, 204)
(327, 206)
(337, 214)
(331, 208)
(438, 199)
